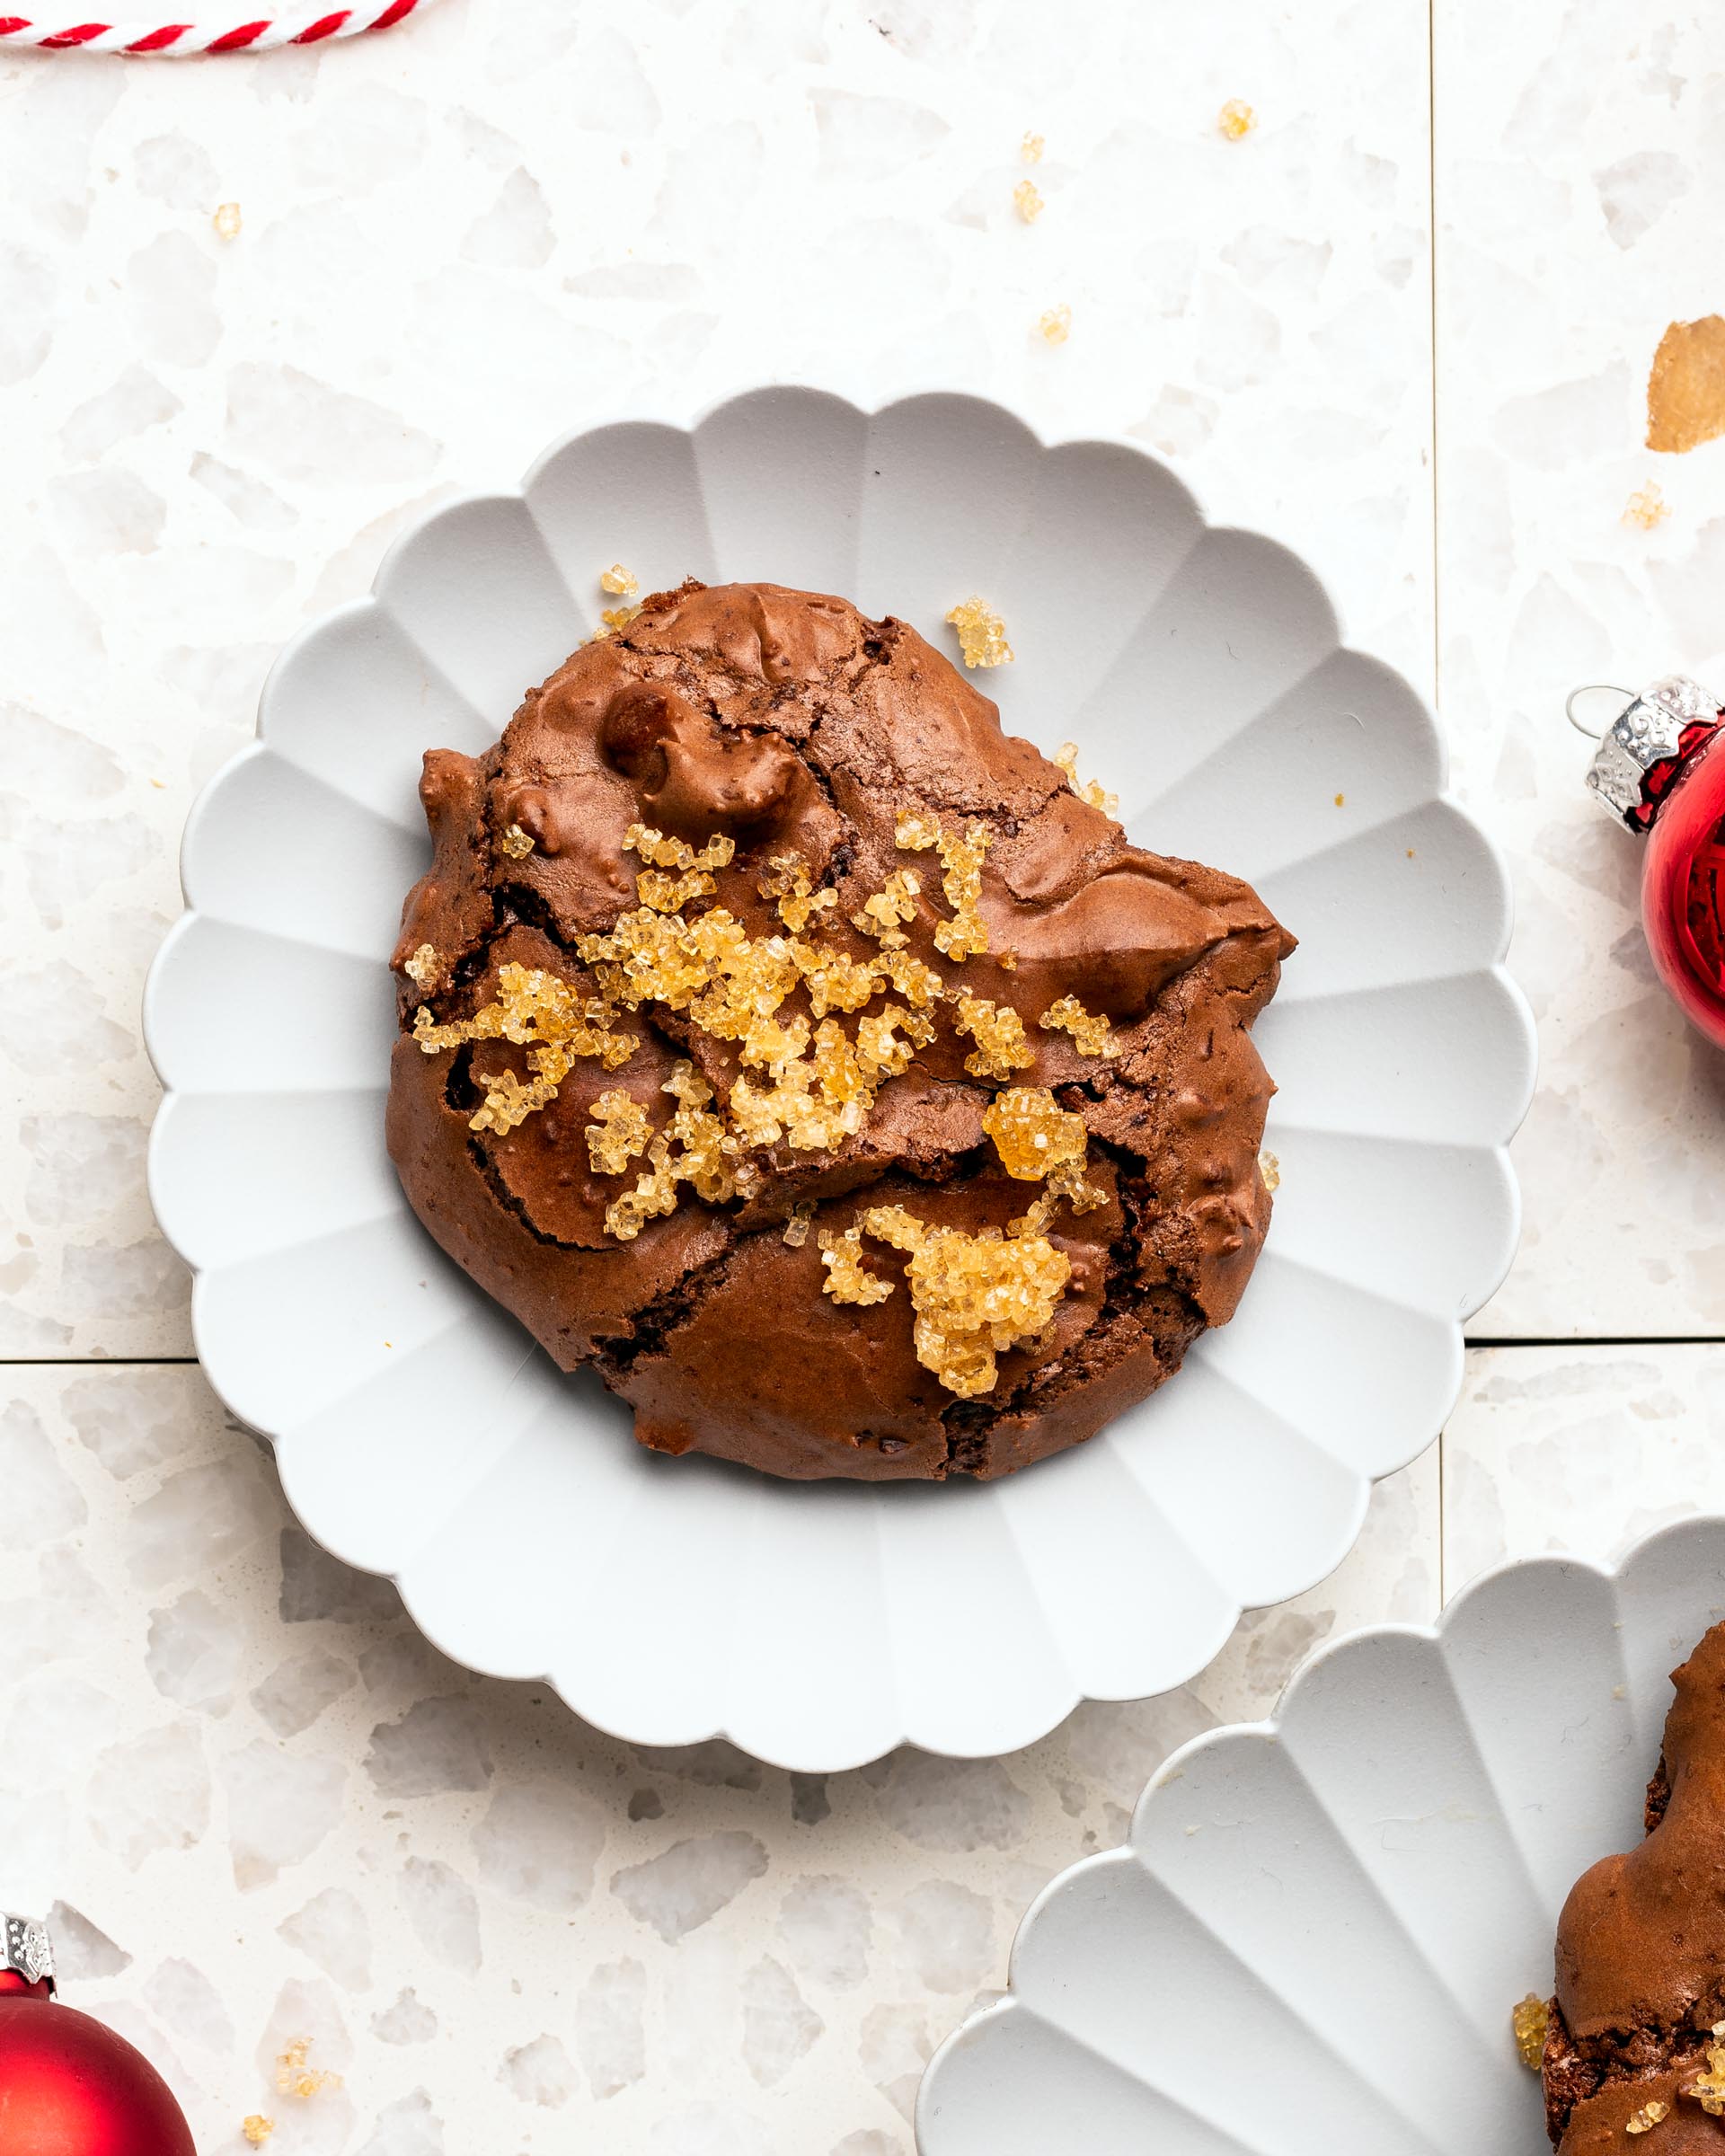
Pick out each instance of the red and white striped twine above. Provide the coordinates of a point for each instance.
(168, 40)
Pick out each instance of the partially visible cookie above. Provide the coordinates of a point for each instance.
(1636, 2044)
(788, 1043)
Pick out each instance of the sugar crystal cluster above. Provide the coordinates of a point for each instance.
(1090, 1033)
(1032, 1133)
(982, 634)
(1095, 794)
(1707, 2089)
(806, 1081)
(1529, 2019)
(974, 1296)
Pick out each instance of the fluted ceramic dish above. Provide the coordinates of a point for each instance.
(1314, 1940)
(419, 1431)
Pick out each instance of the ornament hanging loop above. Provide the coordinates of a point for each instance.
(1620, 697)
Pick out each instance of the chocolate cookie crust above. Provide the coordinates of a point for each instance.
(761, 764)
(1636, 2035)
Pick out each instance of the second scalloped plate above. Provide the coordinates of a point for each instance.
(1314, 1937)
(419, 1430)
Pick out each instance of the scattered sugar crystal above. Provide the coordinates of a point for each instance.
(982, 634)
(1032, 148)
(662, 852)
(974, 1296)
(918, 983)
(848, 1280)
(834, 982)
(878, 1049)
(1236, 119)
(785, 879)
(257, 2129)
(894, 902)
(1027, 201)
(226, 221)
(620, 582)
(618, 1132)
(1089, 1031)
(610, 619)
(965, 935)
(536, 1010)
(1095, 794)
(998, 1032)
(1270, 1169)
(1032, 1133)
(671, 894)
(768, 1046)
(796, 1229)
(1647, 506)
(1529, 2018)
(915, 833)
(1066, 1180)
(421, 968)
(1054, 323)
(294, 2077)
(1707, 2089)
(1648, 2116)
(653, 1196)
(515, 843)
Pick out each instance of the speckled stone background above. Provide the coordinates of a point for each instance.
(1405, 324)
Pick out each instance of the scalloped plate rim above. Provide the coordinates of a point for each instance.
(1268, 1727)
(659, 416)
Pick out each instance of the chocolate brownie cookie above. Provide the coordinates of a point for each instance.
(1635, 2040)
(804, 1054)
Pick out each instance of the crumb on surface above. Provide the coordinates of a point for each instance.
(620, 582)
(1342, 800)
(1032, 148)
(1027, 201)
(1236, 119)
(1056, 323)
(1647, 506)
(226, 221)
(257, 2129)
(1530, 2017)
(982, 634)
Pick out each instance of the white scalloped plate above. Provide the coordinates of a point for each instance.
(1313, 1938)
(420, 1434)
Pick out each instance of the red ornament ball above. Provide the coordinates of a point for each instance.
(1682, 883)
(69, 2087)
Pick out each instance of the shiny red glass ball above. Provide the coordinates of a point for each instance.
(1683, 888)
(69, 2087)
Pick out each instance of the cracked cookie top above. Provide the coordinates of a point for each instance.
(805, 1053)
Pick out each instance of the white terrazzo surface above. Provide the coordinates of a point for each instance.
(274, 1811)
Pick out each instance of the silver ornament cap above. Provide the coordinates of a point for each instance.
(26, 1949)
(1647, 732)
